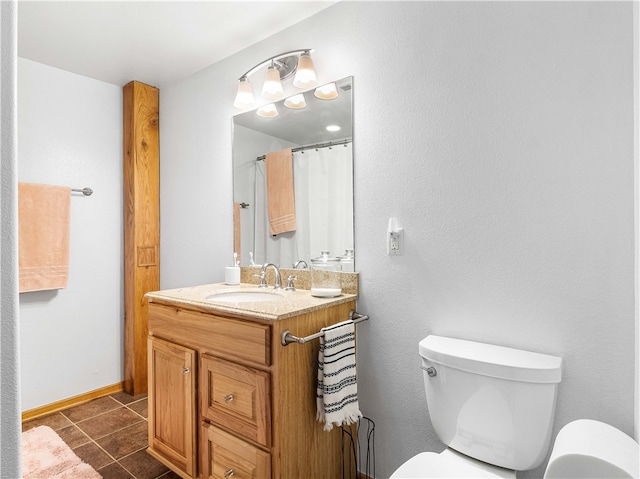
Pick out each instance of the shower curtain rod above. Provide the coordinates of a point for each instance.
(317, 145)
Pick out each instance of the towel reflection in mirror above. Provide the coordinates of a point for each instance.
(280, 196)
(323, 207)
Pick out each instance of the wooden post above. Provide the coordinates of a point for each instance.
(141, 225)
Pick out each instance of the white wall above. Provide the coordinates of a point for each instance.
(70, 134)
(636, 155)
(10, 438)
(501, 135)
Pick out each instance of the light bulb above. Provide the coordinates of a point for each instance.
(267, 111)
(295, 102)
(326, 92)
(244, 97)
(272, 88)
(305, 75)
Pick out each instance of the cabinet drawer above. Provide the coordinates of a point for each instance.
(227, 457)
(236, 397)
(231, 338)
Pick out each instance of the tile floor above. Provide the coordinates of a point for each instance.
(110, 434)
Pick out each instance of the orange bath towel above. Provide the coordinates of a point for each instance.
(43, 236)
(280, 196)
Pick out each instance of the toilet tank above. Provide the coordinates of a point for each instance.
(492, 403)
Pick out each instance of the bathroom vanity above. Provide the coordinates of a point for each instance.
(226, 397)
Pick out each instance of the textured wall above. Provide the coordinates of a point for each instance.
(70, 134)
(501, 136)
(10, 462)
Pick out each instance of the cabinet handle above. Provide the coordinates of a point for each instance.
(228, 474)
(228, 399)
(186, 370)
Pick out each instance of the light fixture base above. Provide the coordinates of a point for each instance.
(286, 66)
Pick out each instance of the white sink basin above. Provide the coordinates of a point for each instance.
(243, 297)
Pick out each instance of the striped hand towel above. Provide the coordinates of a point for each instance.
(337, 391)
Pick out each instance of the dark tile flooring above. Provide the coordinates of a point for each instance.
(110, 434)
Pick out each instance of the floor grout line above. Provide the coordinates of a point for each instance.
(110, 456)
(115, 430)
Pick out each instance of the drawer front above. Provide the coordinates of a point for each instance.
(243, 340)
(236, 397)
(227, 457)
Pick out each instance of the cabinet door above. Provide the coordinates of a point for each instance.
(172, 405)
(236, 397)
(228, 457)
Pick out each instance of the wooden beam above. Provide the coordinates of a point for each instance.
(141, 170)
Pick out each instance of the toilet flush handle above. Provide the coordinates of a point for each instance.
(431, 371)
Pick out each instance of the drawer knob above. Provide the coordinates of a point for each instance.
(228, 399)
(228, 474)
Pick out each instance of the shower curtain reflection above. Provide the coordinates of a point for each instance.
(323, 182)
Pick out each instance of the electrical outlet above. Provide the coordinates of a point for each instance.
(394, 245)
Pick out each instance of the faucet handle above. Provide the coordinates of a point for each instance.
(263, 279)
(290, 286)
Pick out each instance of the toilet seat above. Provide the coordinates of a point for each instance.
(448, 463)
(592, 449)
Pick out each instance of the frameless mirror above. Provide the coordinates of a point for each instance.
(320, 136)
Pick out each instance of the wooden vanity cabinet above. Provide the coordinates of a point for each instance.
(172, 404)
(254, 400)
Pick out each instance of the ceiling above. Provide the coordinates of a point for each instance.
(154, 42)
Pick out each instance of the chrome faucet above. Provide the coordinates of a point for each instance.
(263, 276)
(295, 266)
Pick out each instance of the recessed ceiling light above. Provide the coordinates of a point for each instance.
(333, 128)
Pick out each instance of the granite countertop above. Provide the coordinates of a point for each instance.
(291, 303)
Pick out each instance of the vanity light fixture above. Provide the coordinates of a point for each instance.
(244, 98)
(281, 67)
(272, 88)
(295, 102)
(306, 74)
(333, 128)
(268, 111)
(326, 92)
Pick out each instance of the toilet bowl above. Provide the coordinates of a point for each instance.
(583, 449)
(587, 449)
(448, 464)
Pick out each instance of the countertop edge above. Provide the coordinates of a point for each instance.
(193, 297)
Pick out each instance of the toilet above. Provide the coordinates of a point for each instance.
(588, 449)
(494, 407)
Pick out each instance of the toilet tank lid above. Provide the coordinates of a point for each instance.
(490, 360)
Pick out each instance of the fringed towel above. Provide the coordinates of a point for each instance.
(43, 236)
(280, 192)
(337, 391)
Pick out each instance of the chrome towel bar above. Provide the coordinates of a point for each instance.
(288, 338)
(84, 191)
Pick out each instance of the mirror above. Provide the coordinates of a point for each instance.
(322, 179)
